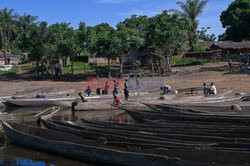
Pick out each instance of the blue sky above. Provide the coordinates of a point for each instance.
(93, 12)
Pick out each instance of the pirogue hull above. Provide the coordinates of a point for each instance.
(141, 115)
(74, 147)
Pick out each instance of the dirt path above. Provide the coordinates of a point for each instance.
(186, 77)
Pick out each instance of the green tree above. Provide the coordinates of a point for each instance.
(125, 43)
(34, 40)
(24, 20)
(236, 20)
(104, 37)
(192, 9)
(7, 26)
(206, 37)
(167, 34)
(138, 24)
(79, 42)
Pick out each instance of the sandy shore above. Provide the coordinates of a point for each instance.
(186, 77)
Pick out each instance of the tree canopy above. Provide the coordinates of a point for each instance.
(45, 44)
(192, 9)
(236, 20)
(167, 33)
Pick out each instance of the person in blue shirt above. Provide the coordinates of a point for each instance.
(115, 88)
(205, 90)
(88, 91)
(230, 63)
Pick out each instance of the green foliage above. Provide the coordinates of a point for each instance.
(200, 48)
(206, 37)
(13, 70)
(192, 9)
(79, 67)
(236, 20)
(156, 110)
(191, 61)
(29, 68)
(167, 33)
(138, 62)
(138, 24)
(125, 42)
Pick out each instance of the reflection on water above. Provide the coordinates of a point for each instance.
(102, 115)
(13, 155)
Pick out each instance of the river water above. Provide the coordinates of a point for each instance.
(12, 155)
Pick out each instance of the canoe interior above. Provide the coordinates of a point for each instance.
(47, 133)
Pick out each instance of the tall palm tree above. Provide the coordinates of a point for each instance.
(192, 9)
(7, 26)
(24, 20)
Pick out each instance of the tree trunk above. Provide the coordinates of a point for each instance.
(52, 70)
(84, 68)
(121, 65)
(42, 68)
(5, 58)
(109, 67)
(96, 71)
(72, 67)
(37, 67)
(159, 66)
(47, 70)
(134, 69)
(152, 65)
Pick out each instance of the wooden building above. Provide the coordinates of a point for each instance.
(11, 59)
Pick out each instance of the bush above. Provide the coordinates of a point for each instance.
(200, 48)
(191, 61)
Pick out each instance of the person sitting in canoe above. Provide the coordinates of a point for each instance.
(82, 98)
(39, 95)
(212, 90)
(117, 100)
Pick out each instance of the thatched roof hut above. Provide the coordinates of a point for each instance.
(232, 47)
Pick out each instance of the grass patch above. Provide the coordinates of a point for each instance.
(12, 70)
(28, 68)
(79, 66)
(191, 61)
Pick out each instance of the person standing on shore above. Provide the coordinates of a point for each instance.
(88, 91)
(115, 87)
(106, 89)
(205, 89)
(126, 92)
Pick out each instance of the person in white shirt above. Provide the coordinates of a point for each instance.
(213, 89)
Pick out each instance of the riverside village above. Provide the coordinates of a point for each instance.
(125, 83)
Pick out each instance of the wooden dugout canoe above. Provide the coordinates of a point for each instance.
(31, 102)
(141, 115)
(124, 141)
(175, 132)
(137, 139)
(46, 114)
(246, 98)
(68, 145)
(225, 107)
